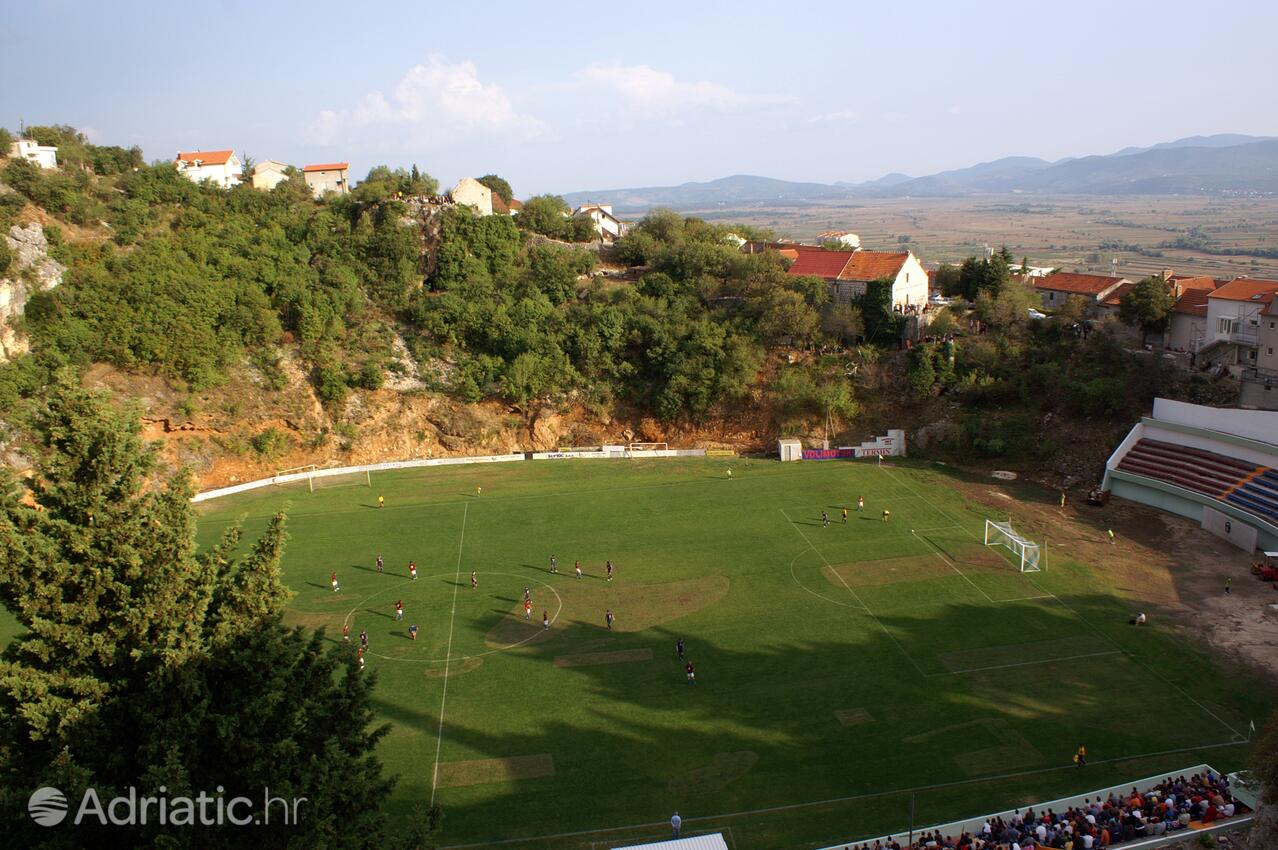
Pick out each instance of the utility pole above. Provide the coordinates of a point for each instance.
(911, 841)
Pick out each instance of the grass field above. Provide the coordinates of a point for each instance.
(839, 669)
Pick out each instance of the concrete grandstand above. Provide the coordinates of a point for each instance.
(1217, 466)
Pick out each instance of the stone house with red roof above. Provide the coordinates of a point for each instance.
(328, 177)
(847, 273)
(1058, 288)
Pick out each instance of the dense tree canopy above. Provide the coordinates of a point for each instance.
(145, 663)
(1147, 305)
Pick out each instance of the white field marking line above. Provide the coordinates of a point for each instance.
(825, 561)
(448, 656)
(932, 547)
(1106, 637)
(885, 629)
(869, 795)
(795, 579)
(1027, 663)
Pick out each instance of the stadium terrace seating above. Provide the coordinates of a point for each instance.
(1141, 818)
(1246, 486)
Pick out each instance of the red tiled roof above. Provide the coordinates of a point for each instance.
(205, 157)
(1114, 297)
(789, 253)
(327, 166)
(1078, 284)
(826, 264)
(1192, 302)
(499, 206)
(1187, 283)
(1246, 289)
(872, 265)
(516, 205)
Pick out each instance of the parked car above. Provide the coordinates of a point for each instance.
(1035, 314)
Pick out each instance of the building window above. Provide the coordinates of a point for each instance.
(1225, 326)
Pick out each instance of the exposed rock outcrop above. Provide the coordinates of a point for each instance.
(32, 270)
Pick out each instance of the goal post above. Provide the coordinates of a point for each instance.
(1027, 553)
(321, 479)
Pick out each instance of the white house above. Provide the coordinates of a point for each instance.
(1233, 321)
(45, 156)
(847, 273)
(844, 237)
(269, 174)
(223, 168)
(472, 193)
(1267, 340)
(328, 177)
(607, 225)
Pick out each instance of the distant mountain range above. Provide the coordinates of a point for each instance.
(1227, 162)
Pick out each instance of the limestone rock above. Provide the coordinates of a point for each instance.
(31, 271)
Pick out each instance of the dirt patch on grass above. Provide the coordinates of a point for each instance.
(594, 659)
(1022, 653)
(886, 571)
(466, 665)
(853, 716)
(722, 770)
(314, 620)
(635, 606)
(1161, 561)
(514, 630)
(458, 774)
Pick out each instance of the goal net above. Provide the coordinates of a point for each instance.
(322, 479)
(1026, 551)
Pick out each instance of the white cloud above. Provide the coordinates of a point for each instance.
(433, 103)
(647, 91)
(841, 116)
(954, 110)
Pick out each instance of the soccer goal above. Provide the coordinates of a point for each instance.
(323, 478)
(1026, 551)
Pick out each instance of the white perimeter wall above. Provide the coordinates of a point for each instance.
(1253, 424)
(615, 452)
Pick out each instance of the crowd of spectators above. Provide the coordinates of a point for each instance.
(1095, 824)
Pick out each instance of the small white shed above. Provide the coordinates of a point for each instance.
(790, 449)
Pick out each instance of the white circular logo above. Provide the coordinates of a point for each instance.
(47, 806)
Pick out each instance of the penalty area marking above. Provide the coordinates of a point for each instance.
(826, 561)
(1027, 663)
(794, 577)
(1084, 621)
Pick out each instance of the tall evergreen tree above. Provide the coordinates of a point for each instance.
(146, 664)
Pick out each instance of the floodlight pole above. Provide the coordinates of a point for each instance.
(910, 843)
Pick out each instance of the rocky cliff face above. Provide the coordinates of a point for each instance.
(31, 271)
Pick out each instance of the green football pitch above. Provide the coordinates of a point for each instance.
(843, 672)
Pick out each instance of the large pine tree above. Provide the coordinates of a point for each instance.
(144, 663)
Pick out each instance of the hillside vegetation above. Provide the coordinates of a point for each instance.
(199, 287)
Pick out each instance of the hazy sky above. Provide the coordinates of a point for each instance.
(571, 96)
